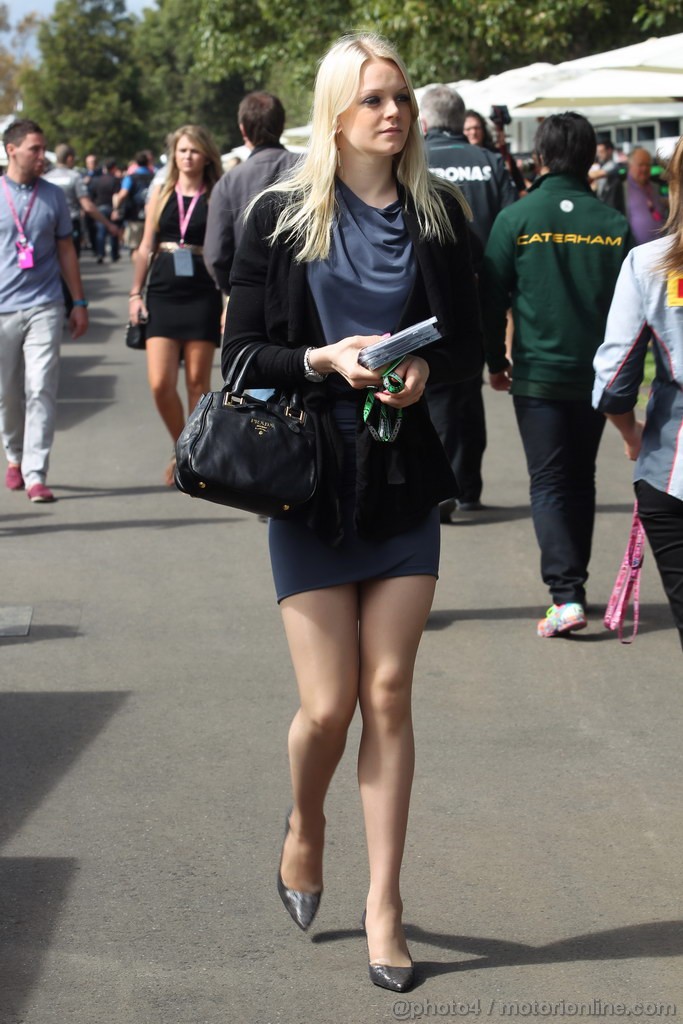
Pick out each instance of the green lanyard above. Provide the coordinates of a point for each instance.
(388, 419)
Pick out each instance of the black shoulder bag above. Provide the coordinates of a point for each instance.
(246, 453)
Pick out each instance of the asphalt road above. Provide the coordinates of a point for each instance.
(143, 776)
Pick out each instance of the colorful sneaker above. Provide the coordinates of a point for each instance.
(13, 478)
(562, 618)
(39, 492)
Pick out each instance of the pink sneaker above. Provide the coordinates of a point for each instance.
(39, 492)
(13, 478)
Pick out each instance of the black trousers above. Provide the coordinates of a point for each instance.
(662, 517)
(457, 412)
(561, 441)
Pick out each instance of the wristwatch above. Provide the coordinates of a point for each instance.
(80, 302)
(309, 372)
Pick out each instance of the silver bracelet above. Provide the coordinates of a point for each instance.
(309, 372)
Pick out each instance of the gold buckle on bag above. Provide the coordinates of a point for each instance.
(230, 399)
(296, 414)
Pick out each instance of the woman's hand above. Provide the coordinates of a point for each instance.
(342, 358)
(414, 371)
(631, 431)
(633, 440)
(137, 311)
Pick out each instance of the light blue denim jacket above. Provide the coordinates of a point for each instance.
(647, 308)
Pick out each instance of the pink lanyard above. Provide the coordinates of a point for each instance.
(183, 217)
(627, 584)
(21, 225)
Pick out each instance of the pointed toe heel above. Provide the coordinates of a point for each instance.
(396, 979)
(301, 906)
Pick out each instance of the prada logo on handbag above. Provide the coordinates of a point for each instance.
(261, 426)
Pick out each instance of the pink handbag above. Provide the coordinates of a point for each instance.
(627, 583)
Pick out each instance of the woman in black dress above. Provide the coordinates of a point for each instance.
(359, 241)
(183, 303)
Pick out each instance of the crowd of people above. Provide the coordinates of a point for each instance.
(397, 212)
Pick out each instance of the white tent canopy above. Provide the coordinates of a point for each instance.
(611, 87)
(642, 81)
(657, 54)
(511, 87)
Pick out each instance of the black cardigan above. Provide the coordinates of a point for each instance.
(270, 303)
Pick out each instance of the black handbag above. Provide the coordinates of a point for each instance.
(136, 335)
(258, 456)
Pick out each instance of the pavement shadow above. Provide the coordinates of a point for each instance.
(42, 527)
(41, 633)
(41, 736)
(78, 493)
(654, 617)
(32, 895)
(490, 514)
(607, 508)
(510, 513)
(81, 395)
(652, 939)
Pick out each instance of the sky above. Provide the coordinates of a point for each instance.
(18, 8)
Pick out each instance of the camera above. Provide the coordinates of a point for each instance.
(500, 116)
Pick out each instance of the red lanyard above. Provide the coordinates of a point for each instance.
(654, 212)
(184, 218)
(21, 224)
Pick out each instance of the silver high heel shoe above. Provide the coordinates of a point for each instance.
(396, 979)
(302, 906)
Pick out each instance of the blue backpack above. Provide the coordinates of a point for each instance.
(134, 205)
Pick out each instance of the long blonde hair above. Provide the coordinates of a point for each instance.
(203, 140)
(306, 220)
(672, 262)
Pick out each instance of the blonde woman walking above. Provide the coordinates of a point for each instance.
(360, 241)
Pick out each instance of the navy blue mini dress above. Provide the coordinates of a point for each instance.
(368, 275)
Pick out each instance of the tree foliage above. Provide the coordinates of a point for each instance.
(660, 15)
(440, 40)
(112, 83)
(174, 87)
(269, 44)
(14, 57)
(87, 90)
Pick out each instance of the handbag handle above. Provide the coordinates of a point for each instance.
(236, 374)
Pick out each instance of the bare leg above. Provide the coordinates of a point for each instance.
(392, 618)
(163, 358)
(198, 362)
(322, 632)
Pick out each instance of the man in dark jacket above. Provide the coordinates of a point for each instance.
(457, 410)
(262, 120)
(554, 258)
(103, 187)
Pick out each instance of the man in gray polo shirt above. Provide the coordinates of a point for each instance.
(35, 248)
(76, 194)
